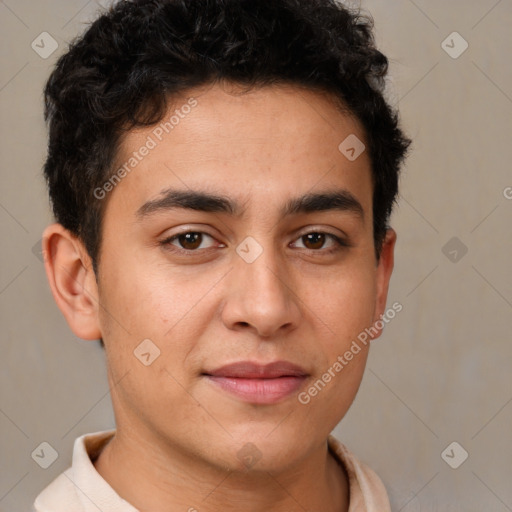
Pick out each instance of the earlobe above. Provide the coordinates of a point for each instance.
(72, 281)
(383, 276)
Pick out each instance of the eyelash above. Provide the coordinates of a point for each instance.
(167, 243)
(339, 242)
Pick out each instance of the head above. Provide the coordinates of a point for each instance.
(205, 201)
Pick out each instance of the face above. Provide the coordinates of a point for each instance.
(243, 238)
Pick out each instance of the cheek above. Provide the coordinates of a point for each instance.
(147, 300)
(346, 304)
(153, 302)
(342, 309)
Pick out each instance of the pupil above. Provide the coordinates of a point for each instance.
(190, 240)
(316, 240)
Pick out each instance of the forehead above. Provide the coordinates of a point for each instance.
(272, 142)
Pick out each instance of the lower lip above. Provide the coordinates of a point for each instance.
(259, 391)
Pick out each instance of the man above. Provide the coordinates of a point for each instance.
(222, 174)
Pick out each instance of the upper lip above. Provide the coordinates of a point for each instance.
(252, 370)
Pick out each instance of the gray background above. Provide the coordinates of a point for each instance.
(441, 372)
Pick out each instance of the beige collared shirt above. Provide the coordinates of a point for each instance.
(81, 488)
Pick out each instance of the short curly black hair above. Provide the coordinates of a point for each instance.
(122, 72)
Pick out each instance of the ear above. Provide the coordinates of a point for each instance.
(72, 280)
(383, 275)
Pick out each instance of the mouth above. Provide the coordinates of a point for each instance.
(256, 383)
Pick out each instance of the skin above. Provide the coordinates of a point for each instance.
(178, 435)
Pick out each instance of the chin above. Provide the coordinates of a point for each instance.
(252, 451)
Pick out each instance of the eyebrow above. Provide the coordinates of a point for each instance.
(190, 200)
(340, 200)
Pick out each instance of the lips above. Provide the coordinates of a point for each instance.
(256, 383)
(250, 370)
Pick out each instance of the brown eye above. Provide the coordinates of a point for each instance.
(190, 241)
(320, 242)
(314, 240)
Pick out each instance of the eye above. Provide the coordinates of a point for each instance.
(318, 240)
(190, 241)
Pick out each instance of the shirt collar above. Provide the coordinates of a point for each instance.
(94, 493)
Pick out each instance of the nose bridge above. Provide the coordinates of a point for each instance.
(264, 277)
(260, 272)
(260, 292)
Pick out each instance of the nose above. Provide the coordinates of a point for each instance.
(260, 297)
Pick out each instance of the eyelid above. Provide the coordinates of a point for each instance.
(340, 242)
(171, 238)
(183, 229)
(338, 233)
